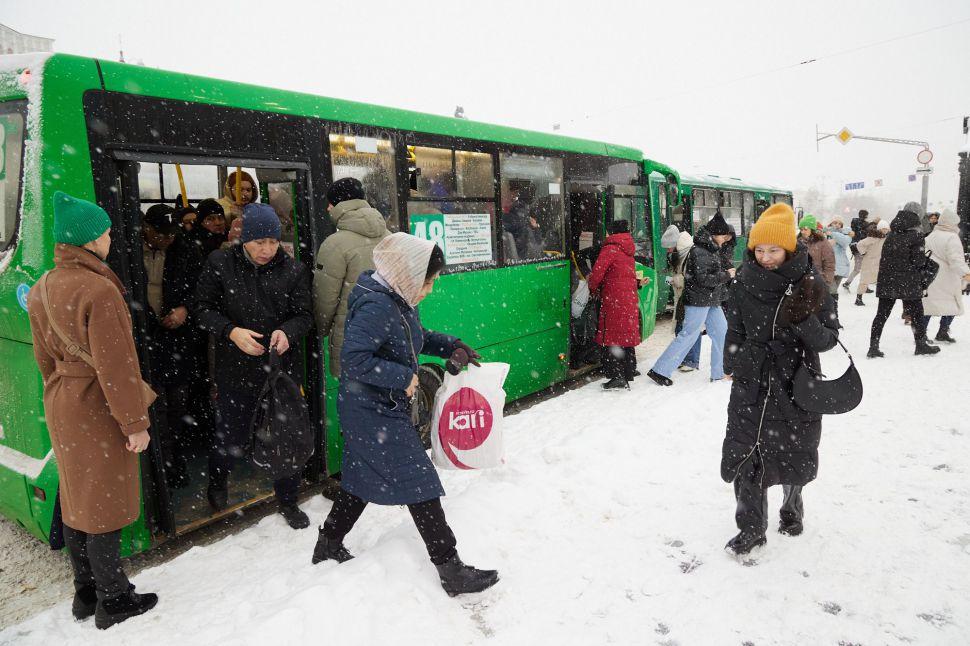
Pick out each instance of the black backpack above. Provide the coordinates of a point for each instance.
(282, 439)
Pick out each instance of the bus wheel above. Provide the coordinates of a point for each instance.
(430, 378)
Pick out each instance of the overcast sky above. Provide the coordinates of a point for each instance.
(698, 85)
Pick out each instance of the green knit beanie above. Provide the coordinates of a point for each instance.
(78, 222)
(808, 222)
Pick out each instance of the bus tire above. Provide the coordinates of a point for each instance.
(430, 378)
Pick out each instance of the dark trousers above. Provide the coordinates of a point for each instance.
(751, 513)
(945, 322)
(95, 560)
(173, 401)
(428, 517)
(619, 363)
(231, 442)
(912, 308)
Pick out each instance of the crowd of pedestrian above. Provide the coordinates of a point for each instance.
(226, 303)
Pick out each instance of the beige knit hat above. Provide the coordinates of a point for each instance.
(402, 260)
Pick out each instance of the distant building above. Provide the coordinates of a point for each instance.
(14, 42)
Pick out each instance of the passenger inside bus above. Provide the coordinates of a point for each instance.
(210, 234)
(176, 347)
(232, 204)
(520, 221)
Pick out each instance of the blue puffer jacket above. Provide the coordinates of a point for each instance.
(842, 242)
(384, 461)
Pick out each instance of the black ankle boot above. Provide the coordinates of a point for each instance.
(458, 578)
(944, 335)
(117, 609)
(790, 527)
(294, 516)
(922, 347)
(858, 300)
(660, 379)
(616, 384)
(85, 601)
(744, 542)
(328, 549)
(874, 352)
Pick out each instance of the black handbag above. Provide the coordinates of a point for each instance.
(813, 393)
(282, 437)
(928, 272)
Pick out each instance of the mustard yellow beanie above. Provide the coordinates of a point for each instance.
(775, 226)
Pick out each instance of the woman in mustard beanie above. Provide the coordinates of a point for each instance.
(779, 314)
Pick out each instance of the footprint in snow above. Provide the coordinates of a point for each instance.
(937, 619)
(689, 566)
(831, 607)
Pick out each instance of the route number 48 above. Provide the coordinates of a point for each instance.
(429, 228)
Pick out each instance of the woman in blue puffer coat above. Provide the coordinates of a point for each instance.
(384, 461)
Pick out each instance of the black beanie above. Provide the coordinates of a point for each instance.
(863, 214)
(345, 189)
(209, 207)
(618, 226)
(717, 226)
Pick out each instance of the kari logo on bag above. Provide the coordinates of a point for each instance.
(465, 423)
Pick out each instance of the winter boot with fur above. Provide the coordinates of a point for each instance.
(328, 549)
(117, 609)
(922, 347)
(858, 300)
(744, 542)
(944, 336)
(458, 578)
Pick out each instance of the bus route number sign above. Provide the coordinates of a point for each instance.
(464, 237)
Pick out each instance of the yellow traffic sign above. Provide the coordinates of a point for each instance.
(845, 135)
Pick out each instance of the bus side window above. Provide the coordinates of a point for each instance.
(372, 162)
(11, 157)
(532, 206)
(452, 203)
(731, 209)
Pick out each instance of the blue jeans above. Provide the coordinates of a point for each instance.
(945, 322)
(693, 358)
(694, 319)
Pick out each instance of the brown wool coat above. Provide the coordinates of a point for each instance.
(90, 412)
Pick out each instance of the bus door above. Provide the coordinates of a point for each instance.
(629, 203)
(660, 221)
(587, 209)
(175, 469)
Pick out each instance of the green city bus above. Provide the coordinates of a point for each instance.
(122, 135)
(740, 202)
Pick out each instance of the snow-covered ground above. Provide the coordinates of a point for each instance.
(607, 525)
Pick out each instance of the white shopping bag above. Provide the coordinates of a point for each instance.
(466, 430)
(580, 298)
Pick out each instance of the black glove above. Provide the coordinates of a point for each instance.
(461, 357)
(855, 249)
(807, 299)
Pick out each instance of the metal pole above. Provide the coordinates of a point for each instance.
(926, 191)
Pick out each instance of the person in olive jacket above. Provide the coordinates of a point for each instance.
(252, 298)
(779, 314)
(341, 259)
(903, 258)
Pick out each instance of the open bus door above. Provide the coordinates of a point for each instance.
(629, 203)
(141, 178)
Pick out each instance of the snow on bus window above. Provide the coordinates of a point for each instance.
(11, 157)
(371, 161)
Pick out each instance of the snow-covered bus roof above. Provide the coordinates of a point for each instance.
(716, 181)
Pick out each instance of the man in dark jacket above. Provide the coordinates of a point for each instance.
(175, 345)
(252, 298)
(523, 226)
(705, 284)
(900, 266)
(778, 316)
(860, 231)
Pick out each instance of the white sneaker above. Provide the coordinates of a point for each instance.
(686, 368)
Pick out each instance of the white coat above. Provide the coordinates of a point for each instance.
(945, 295)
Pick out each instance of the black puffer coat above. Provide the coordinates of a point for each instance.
(705, 278)
(761, 415)
(903, 255)
(234, 292)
